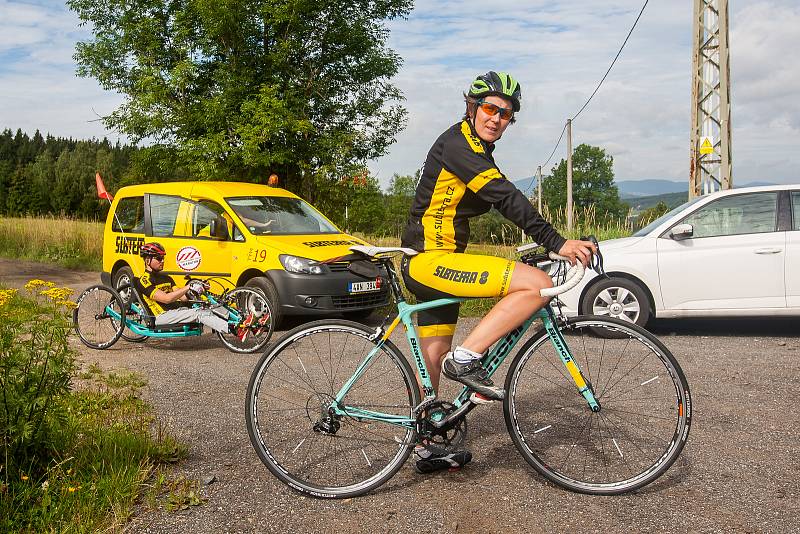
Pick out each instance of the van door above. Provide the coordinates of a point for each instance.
(178, 224)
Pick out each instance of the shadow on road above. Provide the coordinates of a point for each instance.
(761, 326)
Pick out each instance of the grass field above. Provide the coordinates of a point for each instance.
(70, 243)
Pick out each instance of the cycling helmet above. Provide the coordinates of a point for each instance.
(499, 84)
(153, 249)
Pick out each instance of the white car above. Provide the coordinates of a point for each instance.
(730, 253)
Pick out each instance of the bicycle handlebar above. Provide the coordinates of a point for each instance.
(574, 275)
(573, 278)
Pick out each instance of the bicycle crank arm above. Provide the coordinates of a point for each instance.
(455, 416)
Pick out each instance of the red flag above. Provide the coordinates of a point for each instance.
(101, 189)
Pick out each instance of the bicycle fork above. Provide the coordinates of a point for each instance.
(560, 344)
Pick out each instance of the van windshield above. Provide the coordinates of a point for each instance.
(279, 216)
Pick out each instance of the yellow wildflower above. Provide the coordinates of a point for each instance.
(71, 489)
(33, 284)
(24, 477)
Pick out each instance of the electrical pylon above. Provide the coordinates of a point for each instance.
(710, 151)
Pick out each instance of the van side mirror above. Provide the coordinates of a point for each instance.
(219, 228)
(681, 231)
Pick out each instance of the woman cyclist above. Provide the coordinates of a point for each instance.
(460, 180)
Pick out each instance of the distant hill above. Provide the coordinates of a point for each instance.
(636, 189)
(672, 200)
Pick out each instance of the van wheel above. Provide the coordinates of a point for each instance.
(268, 288)
(123, 276)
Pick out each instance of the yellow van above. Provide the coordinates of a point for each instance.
(248, 234)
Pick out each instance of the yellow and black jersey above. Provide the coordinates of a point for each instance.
(460, 180)
(148, 283)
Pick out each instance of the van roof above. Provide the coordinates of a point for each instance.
(223, 189)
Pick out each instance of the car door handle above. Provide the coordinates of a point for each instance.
(768, 250)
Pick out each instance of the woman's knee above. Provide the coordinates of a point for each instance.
(527, 278)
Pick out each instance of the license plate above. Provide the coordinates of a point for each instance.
(363, 287)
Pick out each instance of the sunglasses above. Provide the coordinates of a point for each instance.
(158, 258)
(492, 110)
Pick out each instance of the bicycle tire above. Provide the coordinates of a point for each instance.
(287, 395)
(247, 300)
(94, 326)
(640, 429)
(129, 294)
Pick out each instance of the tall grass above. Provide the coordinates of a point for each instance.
(72, 243)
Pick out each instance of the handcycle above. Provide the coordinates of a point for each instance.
(104, 315)
(595, 405)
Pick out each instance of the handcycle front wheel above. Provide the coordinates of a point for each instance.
(97, 317)
(645, 407)
(252, 312)
(290, 410)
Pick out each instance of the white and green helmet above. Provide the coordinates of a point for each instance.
(499, 84)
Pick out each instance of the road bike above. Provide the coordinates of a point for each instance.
(104, 315)
(595, 405)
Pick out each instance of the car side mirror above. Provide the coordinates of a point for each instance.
(681, 231)
(219, 228)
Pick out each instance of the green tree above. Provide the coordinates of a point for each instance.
(592, 184)
(239, 89)
(651, 214)
(398, 203)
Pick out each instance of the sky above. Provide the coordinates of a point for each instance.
(557, 49)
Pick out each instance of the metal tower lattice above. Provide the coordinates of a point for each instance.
(710, 151)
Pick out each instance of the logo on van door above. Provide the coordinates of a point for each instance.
(188, 258)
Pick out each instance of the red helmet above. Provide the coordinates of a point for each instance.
(149, 250)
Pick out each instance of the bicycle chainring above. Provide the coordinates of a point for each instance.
(445, 439)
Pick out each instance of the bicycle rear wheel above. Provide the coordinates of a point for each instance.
(645, 412)
(289, 416)
(93, 323)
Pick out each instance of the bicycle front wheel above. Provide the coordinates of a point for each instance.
(292, 420)
(253, 315)
(645, 407)
(94, 317)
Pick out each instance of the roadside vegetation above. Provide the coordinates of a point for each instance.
(79, 448)
(71, 243)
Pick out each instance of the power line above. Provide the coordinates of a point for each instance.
(641, 11)
(615, 60)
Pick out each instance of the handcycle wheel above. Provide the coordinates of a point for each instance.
(645, 412)
(134, 310)
(253, 314)
(97, 317)
(289, 418)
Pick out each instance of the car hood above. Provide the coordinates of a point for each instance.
(318, 247)
(616, 244)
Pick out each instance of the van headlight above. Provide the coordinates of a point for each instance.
(294, 264)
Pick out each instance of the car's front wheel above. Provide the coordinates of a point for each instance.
(619, 298)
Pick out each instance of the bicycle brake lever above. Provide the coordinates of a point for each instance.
(596, 261)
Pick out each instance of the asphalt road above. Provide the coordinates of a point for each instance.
(739, 471)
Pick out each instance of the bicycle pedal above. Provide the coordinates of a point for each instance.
(479, 399)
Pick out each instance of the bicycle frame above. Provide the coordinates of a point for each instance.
(491, 360)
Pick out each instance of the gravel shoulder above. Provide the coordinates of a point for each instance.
(738, 472)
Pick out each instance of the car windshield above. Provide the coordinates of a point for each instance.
(280, 216)
(653, 225)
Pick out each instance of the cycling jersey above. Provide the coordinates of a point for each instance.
(148, 283)
(461, 180)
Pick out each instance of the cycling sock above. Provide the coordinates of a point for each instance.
(462, 355)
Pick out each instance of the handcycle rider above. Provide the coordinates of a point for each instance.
(460, 180)
(169, 304)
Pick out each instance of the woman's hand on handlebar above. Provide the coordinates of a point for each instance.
(577, 250)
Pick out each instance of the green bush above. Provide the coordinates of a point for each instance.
(36, 366)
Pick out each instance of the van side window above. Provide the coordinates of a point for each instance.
(129, 216)
(163, 211)
(796, 209)
(207, 211)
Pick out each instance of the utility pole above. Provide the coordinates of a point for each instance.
(710, 150)
(539, 186)
(569, 175)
